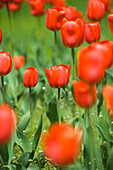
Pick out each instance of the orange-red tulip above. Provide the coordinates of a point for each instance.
(54, 18)
(59, 3)
(7, 123)
(61, 143)
(106, 49)
(107, 4)
(107, 92)
(110, 21)
(91, 65)
(13, 7)
(0, 36)
(85, 95)
(95, 10)
(19, 61)
(37, 7)
(72, 32)
(71, 13)
(92, 32)
(30, 77)
(58, 75)
(5, 63)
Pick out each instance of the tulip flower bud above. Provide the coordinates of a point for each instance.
(30, 77)
(19, 61)
(95, 10)
(92, 32)
(13, 7)
(110, 21)
(85, 95)
(61, 143)
(107, 92)
(72, 32)
(107, 4)
(5, 63)
(58, 76)
(0, 36)
(91, 64)
(59, 3)
(71, 13)
(7, 123)
(37, 7)
(54, 18)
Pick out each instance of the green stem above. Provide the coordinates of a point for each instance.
(106, 129)
(55, 37)
(74, 65)
(10, 25)
(59, 106)
(3, 91)
(30, 112)
(91, 142)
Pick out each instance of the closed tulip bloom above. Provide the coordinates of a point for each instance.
(30, 77)
(54, 18)
(84, 94)
(95, 10)
(71, 13)
(110, 21)
(107, 4)
(37, 7)
(72, 32)
(58, 75)
(59, 3)
(19, 61)
(13, 7)
(61, 144)
(91, 65)
(0, 36)
(107, 92)
(7, 123)
(105, 48)
(5, 63)
(92, 32)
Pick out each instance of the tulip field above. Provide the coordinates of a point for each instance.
(56, 88)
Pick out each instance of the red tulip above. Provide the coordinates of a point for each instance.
(18, 1)
(71, 13)
(110, 21)
(95, 10)
(0, 36)
(91, 65)
(30, 77)
(5, 63)
(61, 144)
(72, 32)
(107, 4)
(58, 75)
(85, 95)
(1, 5)
(92, 32)
(108, 98)
(7, 123)
(19, 61)
(54, 18)
(59, 3)
(37, 7)
(13, 7)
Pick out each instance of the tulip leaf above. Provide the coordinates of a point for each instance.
(37, 134)
(23, 141)
(10, 147)
(103, 132)
(52, 112)
(23, 159)
(110, 160)
(34, 167)
(24, 122)
(4, 156)
(76, 166)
